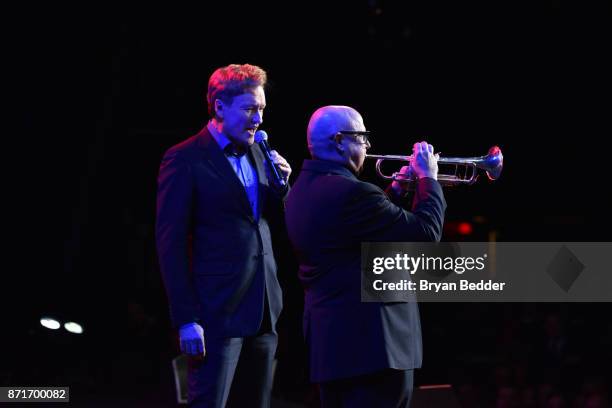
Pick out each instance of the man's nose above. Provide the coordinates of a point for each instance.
(257, 118)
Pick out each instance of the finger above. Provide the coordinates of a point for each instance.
(280, 161)
(193, 347)
(196, 347)
(421, 149)
(430, 148)
(199, 348)
(406, 170)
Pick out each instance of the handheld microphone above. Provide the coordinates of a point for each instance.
(261, 138)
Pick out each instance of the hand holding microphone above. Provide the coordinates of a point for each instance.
(280, 169)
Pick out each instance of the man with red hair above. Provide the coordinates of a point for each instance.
(215, 248)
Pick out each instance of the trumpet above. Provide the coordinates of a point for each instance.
(465, 168)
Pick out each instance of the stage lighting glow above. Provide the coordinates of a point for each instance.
(49, 323)
(465, 228)
(73, 327)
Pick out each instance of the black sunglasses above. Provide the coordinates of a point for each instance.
(362, 136)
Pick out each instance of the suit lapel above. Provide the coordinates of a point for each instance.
(214, 156)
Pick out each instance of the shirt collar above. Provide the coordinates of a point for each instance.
(327, 167)
(224, 143)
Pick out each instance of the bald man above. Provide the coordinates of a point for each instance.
(361, 354)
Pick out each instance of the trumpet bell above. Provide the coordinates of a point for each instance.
(493, 163)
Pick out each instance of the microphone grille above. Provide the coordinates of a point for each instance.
(260, 135)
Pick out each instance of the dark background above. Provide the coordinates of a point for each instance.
(98, 93)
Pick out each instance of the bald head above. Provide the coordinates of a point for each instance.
(326, 122)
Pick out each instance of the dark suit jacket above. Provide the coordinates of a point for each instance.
(216, 259)
(329, 213)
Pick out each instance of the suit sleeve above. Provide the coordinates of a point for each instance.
(374, 217)
(174, 211)
(281, 196)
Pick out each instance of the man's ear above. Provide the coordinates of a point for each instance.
(219, 108)
(338, 143)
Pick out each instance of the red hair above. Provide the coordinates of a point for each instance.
(233, 80)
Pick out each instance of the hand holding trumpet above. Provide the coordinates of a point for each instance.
(423, 163)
